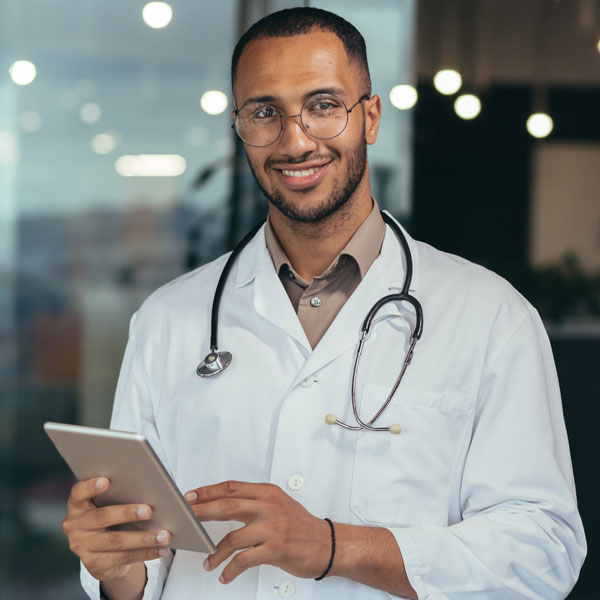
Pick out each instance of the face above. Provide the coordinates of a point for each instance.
(305, 178)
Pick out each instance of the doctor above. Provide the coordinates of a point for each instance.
(474, 498)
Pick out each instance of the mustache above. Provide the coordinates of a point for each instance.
(308, 156)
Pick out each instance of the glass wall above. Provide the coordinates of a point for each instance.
(115, 177)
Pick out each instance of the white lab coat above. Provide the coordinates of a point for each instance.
(477, 489)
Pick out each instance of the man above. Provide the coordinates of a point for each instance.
(474, 498)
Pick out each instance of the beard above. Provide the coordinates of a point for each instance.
(339, 196)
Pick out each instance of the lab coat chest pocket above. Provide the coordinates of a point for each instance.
(406, 479)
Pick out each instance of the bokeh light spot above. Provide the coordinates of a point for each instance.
(403, 97)
(213, 102)
(22, 72)
(157, 14)
(447, 81)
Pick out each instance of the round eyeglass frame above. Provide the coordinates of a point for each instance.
(281, 117)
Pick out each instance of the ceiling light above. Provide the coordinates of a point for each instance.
(90, 112)
(22, 72)
(403, 96)
(447, 81)
(157, 14)
(467, 106)
(213, 102)
(151, 165)
(540, 125)
(103, 143)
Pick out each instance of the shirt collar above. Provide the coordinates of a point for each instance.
(363, 247)
(256, 252)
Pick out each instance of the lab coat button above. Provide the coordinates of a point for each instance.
(296, 483)
(307, 381)
(316, 302)
(286, 589)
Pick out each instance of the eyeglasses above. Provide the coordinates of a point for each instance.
(323, 116)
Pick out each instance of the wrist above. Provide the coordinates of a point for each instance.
(129, 586)
(370, 555)
(332, 553)
(350, 540)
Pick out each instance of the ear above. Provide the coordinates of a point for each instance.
(372, 108)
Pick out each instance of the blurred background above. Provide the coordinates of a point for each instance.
(119, 171)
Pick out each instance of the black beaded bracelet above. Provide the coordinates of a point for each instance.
(332, 550)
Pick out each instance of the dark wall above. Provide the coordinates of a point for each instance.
(471, 178)
(577, 362)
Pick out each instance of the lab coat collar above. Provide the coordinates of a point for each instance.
(249, 259)
(385, 276)
(270, 298)
(256, 251)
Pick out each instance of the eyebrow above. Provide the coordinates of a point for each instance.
(331, 91)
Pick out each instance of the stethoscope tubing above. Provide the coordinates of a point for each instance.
(214, 313)
(215, 362)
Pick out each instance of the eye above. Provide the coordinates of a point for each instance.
(262, 112)
(323, 106)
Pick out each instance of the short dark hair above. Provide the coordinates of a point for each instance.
(290, 22)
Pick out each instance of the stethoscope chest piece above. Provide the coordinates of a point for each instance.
(214, 363)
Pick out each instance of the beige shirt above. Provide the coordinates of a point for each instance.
(317, 303)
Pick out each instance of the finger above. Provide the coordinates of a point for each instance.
(104, 561)
(108, 516)
(112, 541)
(229, 509)
(83, 492)
(240, 539)
(242, 561)
(229, 489)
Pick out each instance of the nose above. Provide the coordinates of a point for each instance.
(293, 139)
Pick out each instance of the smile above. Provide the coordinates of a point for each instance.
(302, 178)
(303, 173)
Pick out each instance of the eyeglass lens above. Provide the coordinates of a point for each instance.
(322, 116)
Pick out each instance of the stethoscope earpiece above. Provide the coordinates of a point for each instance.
(333, 420)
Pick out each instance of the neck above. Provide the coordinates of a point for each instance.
(312, 247)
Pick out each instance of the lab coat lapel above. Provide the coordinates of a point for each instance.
(271, 301)
(385, 276)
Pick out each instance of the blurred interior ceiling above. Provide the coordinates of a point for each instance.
(539, 42)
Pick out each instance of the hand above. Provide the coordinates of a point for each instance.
(278, 530)
(108, 554)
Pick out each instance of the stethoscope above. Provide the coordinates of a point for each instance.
(216, 361)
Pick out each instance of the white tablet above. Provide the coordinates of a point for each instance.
(136, 475)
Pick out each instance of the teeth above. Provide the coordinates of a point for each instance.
(303, 173)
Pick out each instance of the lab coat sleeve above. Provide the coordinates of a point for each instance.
(133, 410)
(521, 536)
